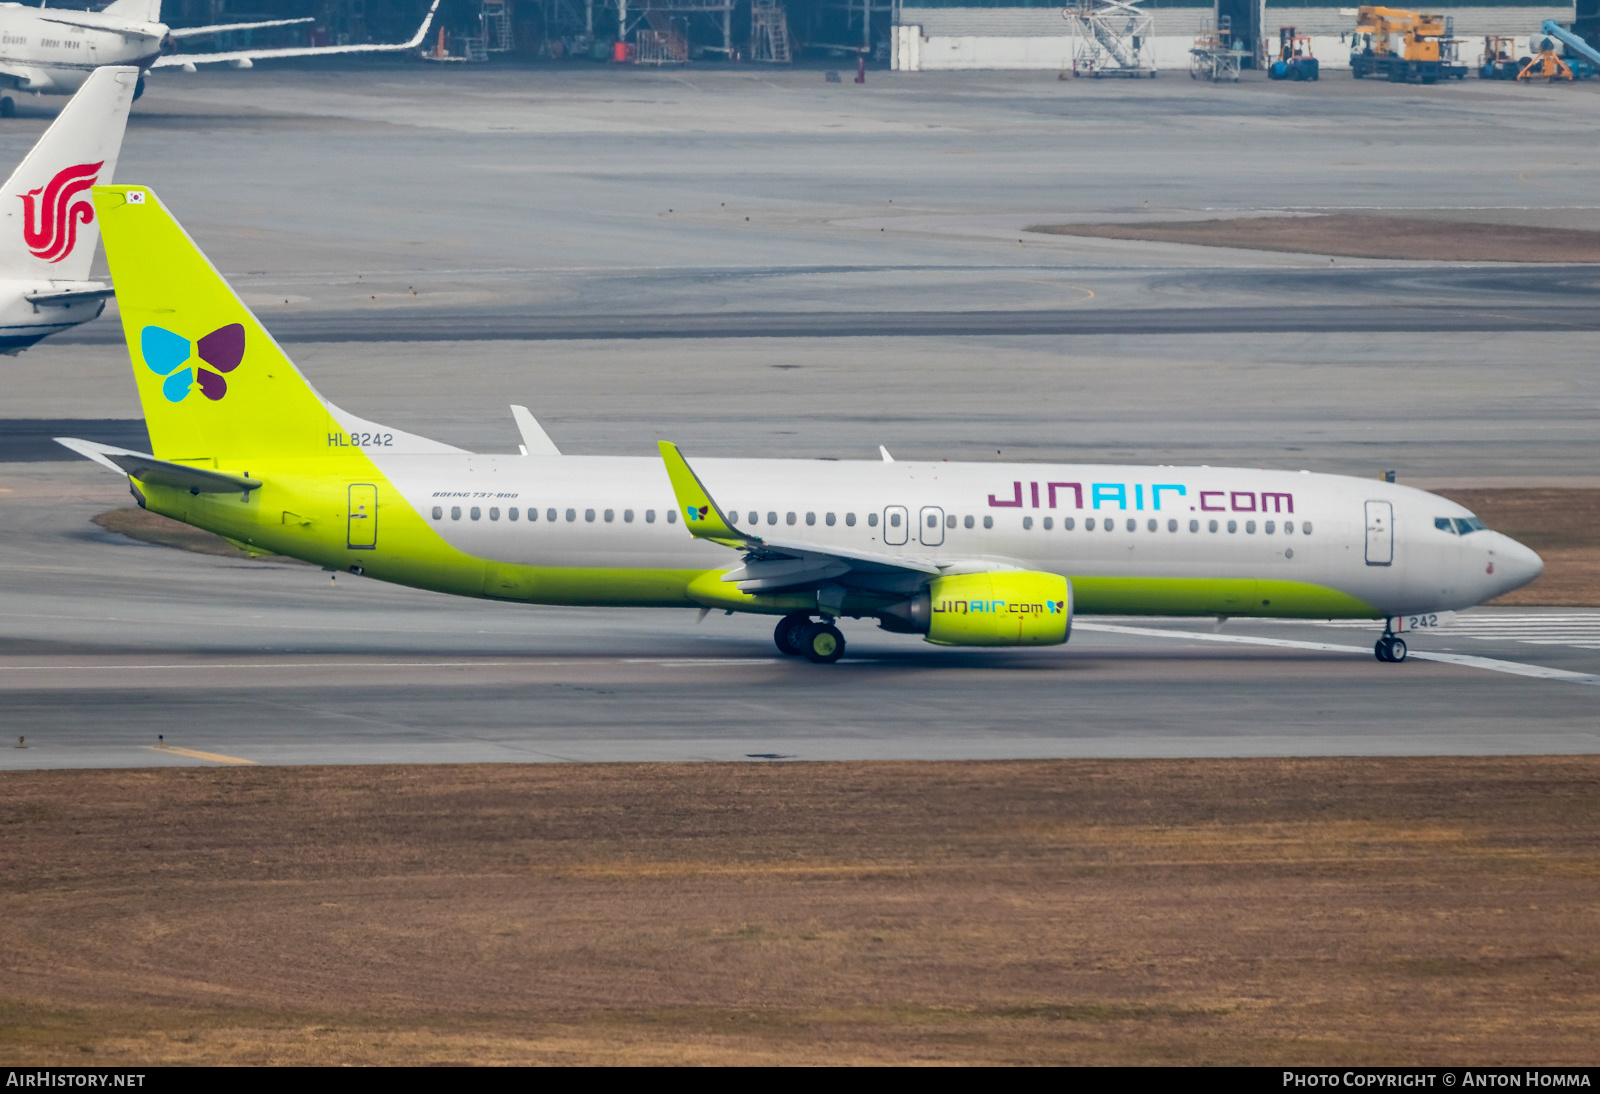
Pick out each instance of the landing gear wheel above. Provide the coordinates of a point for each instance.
(1390, 650)
(8, 107)
(789, 632)
(823, 644)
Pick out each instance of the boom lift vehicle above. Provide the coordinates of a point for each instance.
(1404, 46)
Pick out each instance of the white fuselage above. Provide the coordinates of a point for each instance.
(54, 58)
(1075, 520)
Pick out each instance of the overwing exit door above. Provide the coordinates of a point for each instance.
(930, 526)
(363, 520)
(895, 521)
(1380, 533)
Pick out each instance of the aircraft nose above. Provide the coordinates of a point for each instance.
(1514, 564)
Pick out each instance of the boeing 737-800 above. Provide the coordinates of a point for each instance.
(51, 51)
(47, 226)
(963, 554)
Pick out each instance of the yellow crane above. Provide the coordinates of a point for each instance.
(1404, 46)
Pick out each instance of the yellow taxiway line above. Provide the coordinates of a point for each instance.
(213, 757)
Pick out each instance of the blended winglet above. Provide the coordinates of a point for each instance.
(704, 518)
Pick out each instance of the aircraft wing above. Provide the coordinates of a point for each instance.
(242, 57)
(146, 468)
(771, 564)
(196, 32)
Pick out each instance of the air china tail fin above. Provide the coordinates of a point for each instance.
(47, 222)
(214, 384)
(146, 11)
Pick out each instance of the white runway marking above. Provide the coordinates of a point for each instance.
(1514, 668)
(1579, 630)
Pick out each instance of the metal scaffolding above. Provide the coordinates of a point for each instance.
(1110, 38)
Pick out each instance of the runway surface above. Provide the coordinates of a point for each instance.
(755, 263)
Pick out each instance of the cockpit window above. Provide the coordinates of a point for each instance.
(1444, 525)
(1469, 524)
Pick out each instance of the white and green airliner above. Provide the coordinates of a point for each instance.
(963, 554)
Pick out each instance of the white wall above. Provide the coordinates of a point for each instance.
(944, 39)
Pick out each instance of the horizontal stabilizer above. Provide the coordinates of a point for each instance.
(76, 295)
(146, 468)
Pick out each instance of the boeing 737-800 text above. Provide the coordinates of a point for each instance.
(964, 554)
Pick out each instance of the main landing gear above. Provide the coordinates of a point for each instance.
(798, 635)
(1390, 648)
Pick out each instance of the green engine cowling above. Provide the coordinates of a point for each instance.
(1000, 608)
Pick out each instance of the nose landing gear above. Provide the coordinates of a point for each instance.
(797, 635)
(1390, 649)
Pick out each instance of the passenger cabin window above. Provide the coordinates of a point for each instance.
(1111, 525)
(1269, 527)
(649, 516)
(788, 518)
(733, 516)
(966, 522)
(494, 513)
(1211, 526)
(611, 515)
(1305, 527)
(1172, 525)
(1250, 527)
(1088, 524)
(1288, 527)
(627, 516)
(511, 514)
(1027, 524)
(1049, 522)
(438, 513)
(830, 520)
(672, 516)
(1133, 525)
(588, 515)
(455, 512)
(1067, 522)
(772, 518)
(1151, 525)
(755, 517)
(476, 513)
(811, 519)
(872, 520)
(950, 521)
(988, 522)
(550, 515)
(572, 515)
(1194, 526)
(849, 520)
(1233, 526)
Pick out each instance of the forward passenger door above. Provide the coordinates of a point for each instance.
(1380, 533)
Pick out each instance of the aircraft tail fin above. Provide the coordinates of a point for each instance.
(50, 230)
(214, 384)
(146, 11)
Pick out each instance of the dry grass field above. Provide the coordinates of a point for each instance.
(1356, 236)
(1256, 911)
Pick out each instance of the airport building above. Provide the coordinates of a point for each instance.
(936, 35)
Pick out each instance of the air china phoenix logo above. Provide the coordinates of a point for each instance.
(52, 213)
(170, 355)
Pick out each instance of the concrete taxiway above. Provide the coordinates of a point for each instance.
(755, 262)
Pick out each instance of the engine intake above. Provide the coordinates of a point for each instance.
(1003, 608)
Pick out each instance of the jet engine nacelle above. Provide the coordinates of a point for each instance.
(1003, 608)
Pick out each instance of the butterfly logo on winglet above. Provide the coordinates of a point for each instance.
(170, 355)
(697, 513)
